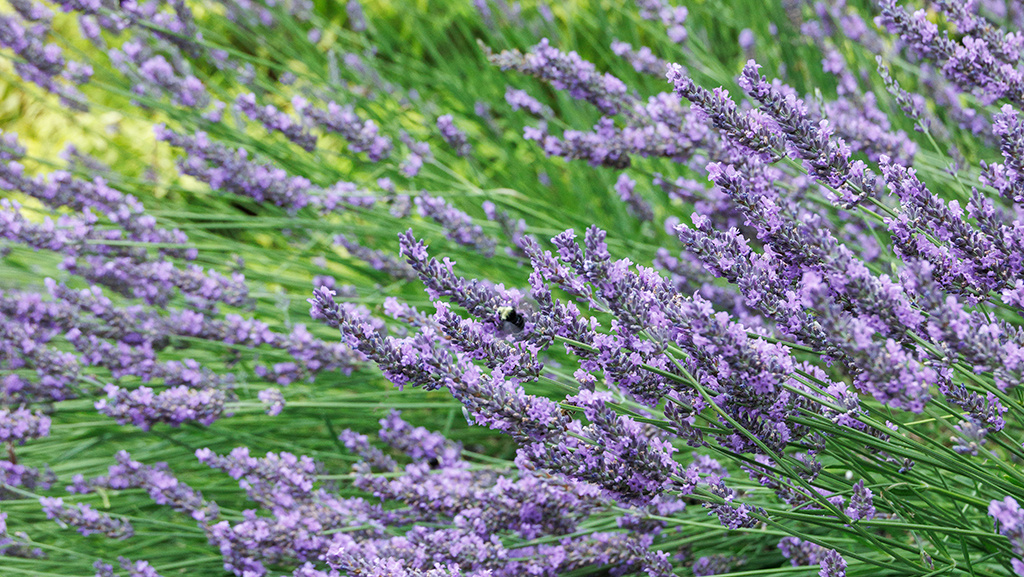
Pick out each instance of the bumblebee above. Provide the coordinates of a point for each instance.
(512, 321)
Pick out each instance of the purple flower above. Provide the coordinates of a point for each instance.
(660, 128)
(1007, 178)
(913, 105)
(642, 466)
(1009, 521)
(417, 442)
(161, 485)
(39, 62)
(801, 552)
(567, 71)
(143, 407)
(453, 136)
(671, 17)
(983, 64)
(475, 341)
(86, 519)
(746, 39)
(275, 120)
(356, 18)
(273, 400)
(638, 207)
(716, 564)
(232, 171)
(362, 135)
(275, 481)
(643, 60)
(965, 260)
(481, 299)
(832, 564)
(861, 505)
(894, 375)
(152, 75)
(520, 99)
(379, 260)
(136, 568)
(22, 424)
(827, 159)
(446, 513)
(30, 478)
(458, 225)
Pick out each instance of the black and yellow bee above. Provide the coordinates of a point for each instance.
(512, 321)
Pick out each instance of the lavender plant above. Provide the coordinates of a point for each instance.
(668, 289)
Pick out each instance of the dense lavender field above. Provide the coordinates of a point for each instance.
(435, 288)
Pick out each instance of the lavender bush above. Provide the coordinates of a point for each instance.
(494, 289)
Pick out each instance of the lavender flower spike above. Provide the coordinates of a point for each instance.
(86, 519)
(362, 135)
(1009, 521)
(636, 203)
(826, 159)
(726, 116)
(832, 565)
(458, 225)
(671, 17)
(985, 66)
(21, 424)
(567, 71)
(275, 120)
(1007, 178)
(455, 138)
(861, 506)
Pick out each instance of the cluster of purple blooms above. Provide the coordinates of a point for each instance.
(144, 291)
(452, 516)
(26, 32)
(856, 288)
(453, 136)
(1009, 521)
(86, 519)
